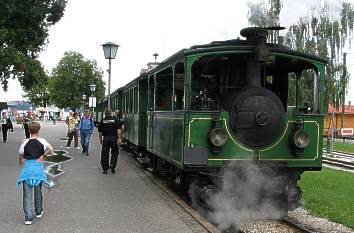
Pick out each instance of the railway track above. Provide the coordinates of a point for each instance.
(339, 159)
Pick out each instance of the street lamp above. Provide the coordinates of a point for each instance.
(84, 100)
(110, 51)
(92, 98)
(93, 87)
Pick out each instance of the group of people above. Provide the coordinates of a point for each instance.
(34, 150)
(6, 125)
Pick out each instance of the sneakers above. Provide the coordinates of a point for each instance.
(28, 222)
(104, 172)
(39, 215)
(77, 148)
(113, 170)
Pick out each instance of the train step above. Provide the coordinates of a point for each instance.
(143, 160)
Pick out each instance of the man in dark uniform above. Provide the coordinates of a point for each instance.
(110, 135)
(26, 122)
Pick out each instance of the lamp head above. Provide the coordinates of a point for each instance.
(110, 50)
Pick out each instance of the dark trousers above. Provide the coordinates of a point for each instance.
(27, 133)
(4, 132)
(109, 143)
(73, 134)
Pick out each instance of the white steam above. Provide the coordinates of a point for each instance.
(248, 192)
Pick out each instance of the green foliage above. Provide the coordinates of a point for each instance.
(260, 16)
(331, 197)
(71, 79)
(37, 91)
(326, 37)
(23, 33)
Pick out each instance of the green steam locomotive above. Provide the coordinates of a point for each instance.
(228, 102)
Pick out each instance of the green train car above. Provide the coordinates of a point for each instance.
(221, 105)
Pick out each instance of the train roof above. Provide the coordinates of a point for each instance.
(236, 44)
(227, 45)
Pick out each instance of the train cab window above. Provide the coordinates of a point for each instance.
(294, 81)
(304, 91)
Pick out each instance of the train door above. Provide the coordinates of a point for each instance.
(151, 84)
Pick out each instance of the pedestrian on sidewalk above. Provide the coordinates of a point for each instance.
(32, 153)
(110, 135)
(26, 122)
(73, 131)
(6, 125)
(86, 127)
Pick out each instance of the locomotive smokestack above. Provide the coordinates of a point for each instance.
(253, 73)
(257, 37)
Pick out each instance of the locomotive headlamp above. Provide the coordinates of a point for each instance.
(218, 137)
(299, 138)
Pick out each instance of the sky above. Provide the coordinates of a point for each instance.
(143, 28)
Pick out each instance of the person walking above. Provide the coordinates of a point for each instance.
(6, 125)
(26, 122)
(110, 135)
(86, 127)
(73, 131)
(32, 175)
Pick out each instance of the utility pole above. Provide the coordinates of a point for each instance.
(343, 87)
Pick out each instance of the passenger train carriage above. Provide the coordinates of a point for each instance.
(228, 101)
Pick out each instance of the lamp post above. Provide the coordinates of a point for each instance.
(110, 51)
(84, 100)
(92, 98)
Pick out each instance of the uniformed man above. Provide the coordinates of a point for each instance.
(110, 135)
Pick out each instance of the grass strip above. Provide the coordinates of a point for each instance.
(341, 146)
(330, 194)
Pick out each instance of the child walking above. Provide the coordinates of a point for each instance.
(32, 176)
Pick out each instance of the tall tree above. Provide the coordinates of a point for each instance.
(264, 14)
(23, 33)
(319, 34)
(71, 79)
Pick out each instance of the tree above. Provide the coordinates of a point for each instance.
(23, 34)
(319, 34)
(71, 79)
(259, 15)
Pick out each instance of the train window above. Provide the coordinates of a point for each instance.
(178, 99)
(303, 91)
(163, 95)
(151, 92)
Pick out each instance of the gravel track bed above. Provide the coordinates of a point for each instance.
(267, 226)
(302, 216)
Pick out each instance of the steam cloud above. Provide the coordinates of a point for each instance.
(248, 192)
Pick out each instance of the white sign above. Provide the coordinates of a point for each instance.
(92, 102)
(346, 131)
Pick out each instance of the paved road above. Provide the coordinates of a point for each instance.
(86, 200)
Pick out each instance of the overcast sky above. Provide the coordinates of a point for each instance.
(143, 28)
